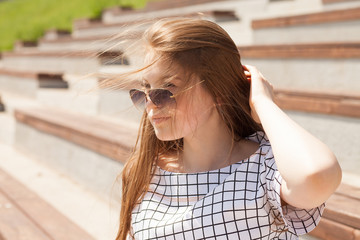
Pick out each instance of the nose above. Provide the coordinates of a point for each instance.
(149, 104)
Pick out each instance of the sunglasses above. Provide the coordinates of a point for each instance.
(159, 97)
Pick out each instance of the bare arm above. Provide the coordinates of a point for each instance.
(310, 171)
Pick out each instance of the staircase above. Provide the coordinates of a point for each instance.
(77, 136)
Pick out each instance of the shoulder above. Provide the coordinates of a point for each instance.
(259, 137)
(264, 150)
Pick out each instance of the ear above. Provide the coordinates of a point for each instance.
(218, 101)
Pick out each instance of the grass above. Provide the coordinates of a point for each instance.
(28, 19)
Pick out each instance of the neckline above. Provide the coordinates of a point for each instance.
(257, 152)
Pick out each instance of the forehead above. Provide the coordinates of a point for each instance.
(162, 71)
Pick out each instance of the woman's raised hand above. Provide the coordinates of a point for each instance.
(261, 89)
(294, 148)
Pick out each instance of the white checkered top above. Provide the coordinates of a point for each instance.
(240, 201)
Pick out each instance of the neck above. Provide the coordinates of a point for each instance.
(208, 148)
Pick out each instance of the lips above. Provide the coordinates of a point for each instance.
(158, 119)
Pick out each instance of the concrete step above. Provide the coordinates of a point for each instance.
(97, 214)
(68, 141)
(55, 62)
(339, 133)
(25, 215)
(115, 104)
(7, 123)
(325, 26)
(82, 95)
(335, 128)
(340, 4)
(61, 99)
(341, 218)
(7, 120)
(104, 37)
(69, 100)
(27, 83)
(54, 33)
(100, 34)
(108, 96)
(245, 10)
(12, 101)
(138, 22)
(328, 129)
(91, 145)
(318, 67)
(308, 237)
(87, 28)
(23, 88)
(92, 43)
(20, 45)
(332, 102)
(108, 15)
(85, 96)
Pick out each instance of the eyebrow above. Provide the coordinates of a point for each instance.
(164, 78)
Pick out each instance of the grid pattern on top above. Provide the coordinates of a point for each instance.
(240, 201)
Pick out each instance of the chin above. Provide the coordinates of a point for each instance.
(165, 136)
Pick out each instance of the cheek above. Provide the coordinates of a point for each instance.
(192, 114)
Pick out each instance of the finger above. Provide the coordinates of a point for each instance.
(246, 67)
(253, 71)
(250, 68)
(247, 73)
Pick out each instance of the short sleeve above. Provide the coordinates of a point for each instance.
(296, 220)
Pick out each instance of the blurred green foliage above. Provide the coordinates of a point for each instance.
(29, 19)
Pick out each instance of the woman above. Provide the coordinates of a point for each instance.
(216, 158)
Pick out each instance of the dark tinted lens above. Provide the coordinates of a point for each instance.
(161, 97)
(138, 98)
